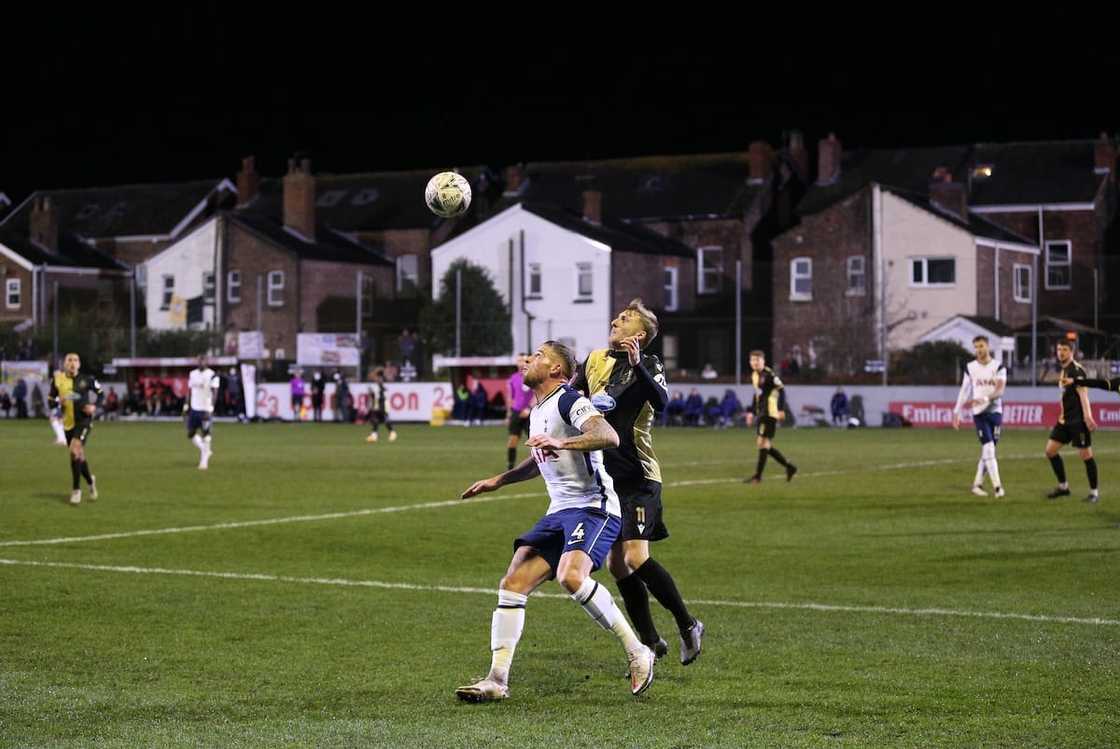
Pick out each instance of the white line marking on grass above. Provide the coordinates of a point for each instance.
(923, 612)
(269, 521)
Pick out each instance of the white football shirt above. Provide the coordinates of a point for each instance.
(575, 479)
(203, 385)
(979, 383)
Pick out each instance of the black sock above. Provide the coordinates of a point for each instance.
(778, 456)
(761, 462)
(511, 456)
(85, 472)
(1091, 471)
(1059, 468)
(636, 598)
(76, 473)
(661, 585)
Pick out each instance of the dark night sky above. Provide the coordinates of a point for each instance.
(114, 99)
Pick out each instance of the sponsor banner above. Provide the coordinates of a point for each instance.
(31, 372)
(327, 349)
(1037, 415)
(407, 401)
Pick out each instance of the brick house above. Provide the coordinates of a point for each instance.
(886, 250)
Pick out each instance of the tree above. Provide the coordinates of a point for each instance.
(485, 321)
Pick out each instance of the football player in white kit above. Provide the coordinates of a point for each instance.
(203, 388)
(566, 436)
(982, 388)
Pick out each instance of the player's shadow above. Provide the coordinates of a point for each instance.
(61, 498)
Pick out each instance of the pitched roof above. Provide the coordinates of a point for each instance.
(72, 251)
(329, 244)
(907, 169)
(991, 324)
(365, 202)
(976, 225)
(126, 210)
(1035, 173)
(648, 187)
(620, 236)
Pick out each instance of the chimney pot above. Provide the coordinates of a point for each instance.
(593, 206)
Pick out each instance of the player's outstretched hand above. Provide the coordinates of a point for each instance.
(545, 441)
(750, 418)
(781, 416)
(481, 487)
(956, 421)
(1091, 423)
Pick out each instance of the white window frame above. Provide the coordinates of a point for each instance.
(672, 288)
(1067, 264)
(924, 283)
(13, 286)
(670, 351)
(862, 274)
(233, 286)
(701, 287)
(405, 274)
(1015, 269)
(795, 276)
(585, 270)
(209, 286)
(535, 280)
(276, 284)
(167, 293)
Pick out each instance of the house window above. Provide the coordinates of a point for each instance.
(857, 275)
(142, 276)
(1059, 265)
(13, 293)
(168, 292)
(408, 274)
(233, 286)
(275, 288)
(933, 272)
(583, 274)
(670, 300)
(534, 279)
(801, 279)
(709, 264)
(1022, 286)
(208, 287)
(670, 351)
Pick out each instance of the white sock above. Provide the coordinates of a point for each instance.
(206, 441)
(979, 480)
(59, 432)
(990, 463)
(597, 602)
(505, 631)
(197, 440)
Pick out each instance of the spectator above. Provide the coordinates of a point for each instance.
(5, 402)
(729, 408)
(693, 408)
(712, 411)
(674, 410)
(318, 386)
(19, 394)
(461, 409)
(839, 407)
(341, 397)
(407, 345)
(112, 405)
(709, 372)
(297, 387)
(855, 408)
(37, 402)
(478, 403)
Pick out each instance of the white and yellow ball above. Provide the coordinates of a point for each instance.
(448, 194)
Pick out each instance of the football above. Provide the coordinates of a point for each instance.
(448, 194)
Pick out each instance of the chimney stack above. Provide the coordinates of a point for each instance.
(949, 196)
(828, 160)
(1104, 155)
(593, 206)
(44, 223)
(299, 198)
(760, 159)
(514, 177)
(798, 153)
(247, 181)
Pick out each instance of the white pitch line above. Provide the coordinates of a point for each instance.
(458, 502)
(343, 582)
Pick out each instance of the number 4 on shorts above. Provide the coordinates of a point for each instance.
(577, 534)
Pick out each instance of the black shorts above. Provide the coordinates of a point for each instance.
(198, 421)
(767, 427)
(378, 417)
(1072, 433)
(80, 432)
(641, 512)
(517, 425)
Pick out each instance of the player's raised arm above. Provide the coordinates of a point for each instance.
(524, 471)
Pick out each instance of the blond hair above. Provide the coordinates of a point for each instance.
(645, 314)
(564, 357)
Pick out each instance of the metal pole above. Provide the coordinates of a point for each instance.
(358, 327)
(1034, 304)
(132, 313)
(458, 311)
(260, 329)
(54, 363)
(739, 322)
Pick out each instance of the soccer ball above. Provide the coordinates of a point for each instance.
(448, 194)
